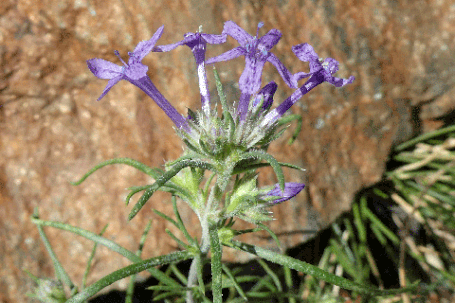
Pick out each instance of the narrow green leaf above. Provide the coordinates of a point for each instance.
(288, 119)
(167, 294)
(174, 237)
(128, 271)
(186, 157)
(229, 124)
(180, 225)
(92, 255)
(359, 222)
(166, 217)
(59, 270)
(386, 231)
(179, 289)
(107, 243)
(219, 88)
(288, 281)
(377, 232)
(234, 282)
(134, 190)
(342, 258)
(154, 173)
(244, 168)
(179, 274)
(160, 181)
(271, 233)
(130, 288)
(424, 137)
(200, 274)
(315, 271)
(273, 162)
(271, 274)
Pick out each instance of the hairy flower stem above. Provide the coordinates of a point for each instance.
(214, 199)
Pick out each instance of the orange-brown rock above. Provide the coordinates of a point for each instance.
(53, 130)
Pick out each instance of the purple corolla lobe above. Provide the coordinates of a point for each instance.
(136, 73)
(326, 68)
(291, 189)
(197, 42)
(257, 52)
(320, 71)
(266, 93)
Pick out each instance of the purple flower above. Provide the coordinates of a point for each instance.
(291, 189)
(320, 71)
(257, 52)
(136, 73)
(197, 42)
(266, 93)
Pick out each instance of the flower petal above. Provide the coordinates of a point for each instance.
(236, 32)
(270, 39)
(229, 55)
(145, 47)
(300, 75)
(214, 39)
(136, 71)
(104, 69)
(109, 85)
(305, 52)
(339, 82)
(284, 72)
(267, 93)
(250, 80)
(291, 189)
(167, 47)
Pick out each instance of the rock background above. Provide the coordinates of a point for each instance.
(53, 130)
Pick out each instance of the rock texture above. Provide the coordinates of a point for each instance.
(53, 130)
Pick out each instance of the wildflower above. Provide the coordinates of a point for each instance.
(320, 71)
(265, 95)
(136, 73)
(257, 53)
(197, 42)
(272, 197)
(291, 189)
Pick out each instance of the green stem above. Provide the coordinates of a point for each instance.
(217, 252)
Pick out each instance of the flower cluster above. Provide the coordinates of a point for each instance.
(234, 143)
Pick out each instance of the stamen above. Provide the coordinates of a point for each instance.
(118, 55)
(260, 24)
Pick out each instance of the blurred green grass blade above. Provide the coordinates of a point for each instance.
(424, 137)
(272, 274)
(180, 224)
(359, 220)
(59, 270)
(130, 288)
(90, 259)
(314, 270)
(179, 274)
(380, 226)
(234, 282)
